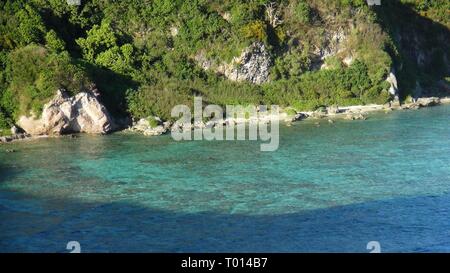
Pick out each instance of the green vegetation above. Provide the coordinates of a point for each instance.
(303, 12)
(35, 75)
(153, 122)
(142, 54)
(423, 52)
(341, 86)
(5, 123)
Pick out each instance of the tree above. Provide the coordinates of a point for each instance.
(99, 39)
(303, 12)
(35, 74)
(31, 26)
(118, 59)
(53, 42)
(101, 47)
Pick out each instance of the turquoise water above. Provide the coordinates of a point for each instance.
(328, 188)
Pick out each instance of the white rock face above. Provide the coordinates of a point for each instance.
(253, 65)
(392, 80)
(335, 44)
(82, 113)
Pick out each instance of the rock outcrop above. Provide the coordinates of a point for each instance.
(333, 110)
(392, 80)
(253, 65)
(15, 130)
(334, 45)
(426, 102)
(82, 113)
(355, 116)
(148, 128)
(422, 102)
(19, 136)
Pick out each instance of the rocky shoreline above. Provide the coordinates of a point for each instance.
(356, 112)
(64, 115)
(359, 112)
(153, 126)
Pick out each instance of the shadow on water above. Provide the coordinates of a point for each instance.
(8, 171)
(415, 224)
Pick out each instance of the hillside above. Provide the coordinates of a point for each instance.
(147, 56)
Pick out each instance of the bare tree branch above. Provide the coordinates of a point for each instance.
(273, 14)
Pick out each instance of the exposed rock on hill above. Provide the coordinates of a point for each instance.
(252, 65)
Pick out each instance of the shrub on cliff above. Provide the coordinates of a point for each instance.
(157, 100)
(101, 47)
(303, 12)
(255, 30)
(35, 74)
(5, 123)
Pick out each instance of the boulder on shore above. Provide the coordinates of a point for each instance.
(355, 116)
(152, 126)
(82, 113)
(425, 102)
(19, 136)
(333, 110)
(15, 130)
(299, 116)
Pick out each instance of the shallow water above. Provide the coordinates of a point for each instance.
(329, 188)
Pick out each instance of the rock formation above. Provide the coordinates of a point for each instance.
(334, 45)
(355, 116)
(148, 129)
(392, 80)
(426, 102)
(253, 65)
(4, 139)
(82, 113)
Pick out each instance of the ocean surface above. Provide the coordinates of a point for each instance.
(328, 188)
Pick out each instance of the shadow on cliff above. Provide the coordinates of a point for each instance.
(422, 47)
(418, 224)
(113, 87)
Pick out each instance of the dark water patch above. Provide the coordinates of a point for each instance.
(401, 224)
